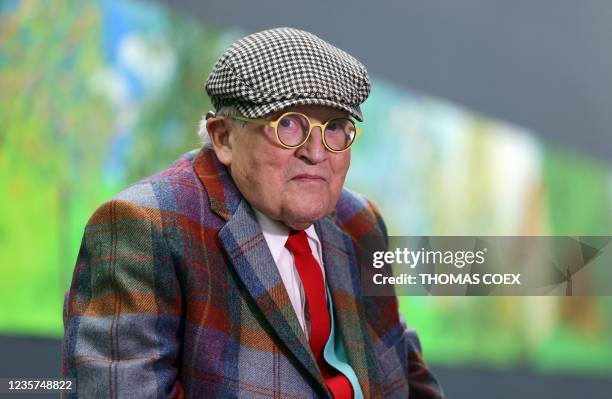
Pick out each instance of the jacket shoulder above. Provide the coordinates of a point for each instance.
(163, 198)
(157, 190)
(359, 217)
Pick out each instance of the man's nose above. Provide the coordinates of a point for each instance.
(313, 149)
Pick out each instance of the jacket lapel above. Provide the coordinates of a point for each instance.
(339, 258)
(245, 245)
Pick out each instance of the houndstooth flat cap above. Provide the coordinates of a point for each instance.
(277, 68)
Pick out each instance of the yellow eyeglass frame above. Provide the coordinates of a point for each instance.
(274, 124)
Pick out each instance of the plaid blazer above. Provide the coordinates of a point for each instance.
(175, 294)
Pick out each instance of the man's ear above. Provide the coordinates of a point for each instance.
(220, 131)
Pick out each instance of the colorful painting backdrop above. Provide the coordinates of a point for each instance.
(95, 95)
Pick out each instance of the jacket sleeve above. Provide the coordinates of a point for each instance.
(421, 381)
(122, 322)
(406, 350)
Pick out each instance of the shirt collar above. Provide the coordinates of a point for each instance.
(276, 234)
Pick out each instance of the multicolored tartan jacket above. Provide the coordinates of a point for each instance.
(175, 294)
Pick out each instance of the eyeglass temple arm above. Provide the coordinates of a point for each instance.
(262, 122)
(265, 122)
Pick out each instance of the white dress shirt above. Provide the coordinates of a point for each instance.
(276, 235)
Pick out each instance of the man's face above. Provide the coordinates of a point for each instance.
(294, 186)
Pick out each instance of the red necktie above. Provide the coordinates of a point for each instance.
(312, 279)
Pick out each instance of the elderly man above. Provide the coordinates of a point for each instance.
(235, 272)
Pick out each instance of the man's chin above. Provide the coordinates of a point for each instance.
(302, 219)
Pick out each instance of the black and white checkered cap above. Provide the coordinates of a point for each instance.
(278, 68)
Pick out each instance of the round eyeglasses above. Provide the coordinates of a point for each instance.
(293, 130)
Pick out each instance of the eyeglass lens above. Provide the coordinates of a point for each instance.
(293, 130)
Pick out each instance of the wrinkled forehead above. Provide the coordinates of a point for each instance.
(317, 112)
